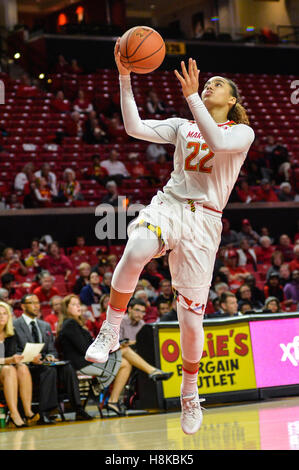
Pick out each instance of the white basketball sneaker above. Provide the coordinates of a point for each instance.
(191, 416)
(107, 341)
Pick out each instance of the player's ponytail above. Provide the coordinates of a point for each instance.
(237, 113)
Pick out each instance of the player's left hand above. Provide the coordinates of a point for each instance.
(189, 80)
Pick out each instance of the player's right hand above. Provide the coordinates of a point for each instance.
(121, 68)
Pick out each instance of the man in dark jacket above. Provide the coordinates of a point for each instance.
(30, 329)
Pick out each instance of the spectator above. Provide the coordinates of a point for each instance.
(102, 265)
(257, 294)
(55, 262)
(115, 168)
(172, 314)
(154, 151)
(29, 328)
(245, 193)
(116, 130)
(272, 305)
(15, 293)
(42, 193)
(217, 289)
(49, 176)
(112, 194)
(285, 194)
(265, 193)
(60, 104)
(245, 307)
(153, 104)
(265, 232)
(35, 254)
(14, 375)
(294, 264)
(264, 251)
(70, 188)
(273, 288)
(62, 65)
(74, 125)
(291, 290)
(166, 293)
(151, 312)
(286, 247)
(246, 254)
(133, 321)
(137, 169)
(74, 68)
(12, 263)
(284, 274)
(91, 293)
(163, 308)
(94, 323)
(53, 317)
(80, 248)
(97, 172)
(277, 260)
(151, 274)
(248, 233)
(26, 89)
(74, 342)
(112, 262)
(280, 165)
(244, 293)
(94, 132)
(83, 279)
(13, 202)
(106, 283)
(237, 274)
(24, 176)
(254, 173)
(228, 306)
(4, 295)
(46, 290)
(229, 238)
(82, 105)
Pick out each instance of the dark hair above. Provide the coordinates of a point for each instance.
(7, 278)
(224, 296)
(23, 299)
(134, 302)
(237, 113)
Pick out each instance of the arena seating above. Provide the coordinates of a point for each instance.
(30, 123)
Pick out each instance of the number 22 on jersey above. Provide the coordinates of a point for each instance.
(200, 166)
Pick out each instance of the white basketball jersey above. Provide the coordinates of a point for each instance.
(199, 173)
(208, 156)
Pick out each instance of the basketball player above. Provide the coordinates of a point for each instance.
(185, 217)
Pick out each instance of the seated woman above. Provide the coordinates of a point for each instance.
(73, 340)
(14, 375)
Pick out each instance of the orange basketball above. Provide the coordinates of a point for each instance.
(142, 49)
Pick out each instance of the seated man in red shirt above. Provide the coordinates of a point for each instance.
(12, 264)
(46, 290)
(264, 251)
(52, 318)
(236, 274)
(55, 262)
(265, 193)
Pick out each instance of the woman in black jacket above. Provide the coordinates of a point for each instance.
(73, 340)
(14, 375)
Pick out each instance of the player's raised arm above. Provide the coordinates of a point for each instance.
(217, 102)
(152, 130)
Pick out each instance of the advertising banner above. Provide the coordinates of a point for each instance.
(226, 364)
(275, 345)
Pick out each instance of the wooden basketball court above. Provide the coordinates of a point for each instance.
(264, 425)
